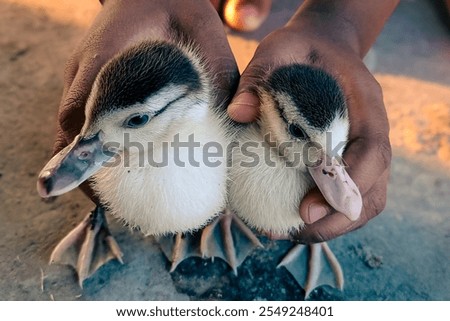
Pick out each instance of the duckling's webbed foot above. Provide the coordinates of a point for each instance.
(226, 237)
(314, 265)
(88, 246)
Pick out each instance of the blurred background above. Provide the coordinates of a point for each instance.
(403, 254)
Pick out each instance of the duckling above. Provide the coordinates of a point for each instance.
(148, 122)
(296, 144)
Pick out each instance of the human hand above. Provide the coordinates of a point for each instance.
(121, 24)
(368, 152)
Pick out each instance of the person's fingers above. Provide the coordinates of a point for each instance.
(214, 48)
(367, 160)
(326, 229)
(225, 77)
(368, 153)
(313, 207)
(71, 112)
(60, 141)
(336, 224)
(245, 105)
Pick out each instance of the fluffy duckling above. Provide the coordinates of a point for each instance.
(296, 145)
(149, 119)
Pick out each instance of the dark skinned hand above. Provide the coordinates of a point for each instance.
(122, 23)
(368, 152)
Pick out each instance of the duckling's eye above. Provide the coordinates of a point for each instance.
(136, 121)
(297, 132)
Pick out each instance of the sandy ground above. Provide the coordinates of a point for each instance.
(401, 255)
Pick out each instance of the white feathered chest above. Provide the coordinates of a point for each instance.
(169, 197)
(266, 194)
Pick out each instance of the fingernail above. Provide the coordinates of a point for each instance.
(316, 212)
(244, 107)
(246, 99)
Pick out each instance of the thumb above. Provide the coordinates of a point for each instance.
(244, 107)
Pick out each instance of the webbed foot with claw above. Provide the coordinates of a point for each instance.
(88, 246)
(314, 265)
(226, 237)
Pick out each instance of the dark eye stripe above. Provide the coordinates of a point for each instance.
(294, 130)
(139, 120)
(280, 111)
(170, 103)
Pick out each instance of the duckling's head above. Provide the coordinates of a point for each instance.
(304, 115)
(303, 108)
(136, 96)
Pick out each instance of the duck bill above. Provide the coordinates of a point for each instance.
(337, 187)
(72, 166)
